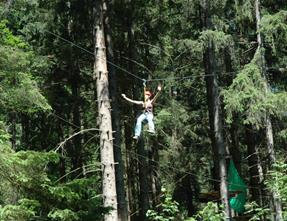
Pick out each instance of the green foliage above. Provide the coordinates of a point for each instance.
(172, 121)
(210, 212)
(283, 134)
(20, 93)
(25, 168)
(244, 12)
(219, 39)
(217, 5)
(26, 176)
(249, 95)
(277, 181)
(63, 215)
(166, 211)
(274, 28)
(24, 210)
(18, 88)
(8, 39)
(258, 213)
(4, 136)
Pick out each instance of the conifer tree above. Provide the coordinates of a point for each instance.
(269, 130)
(215, 112)
(104, 114)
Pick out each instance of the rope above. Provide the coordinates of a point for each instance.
(89, 52)
(136, 76)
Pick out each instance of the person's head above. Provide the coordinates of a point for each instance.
(147, 94)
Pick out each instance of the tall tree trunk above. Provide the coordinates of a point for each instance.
(120, 183)
(143, 180)
(104, 115)
(132, 163)
(215, 113)
(77, 159)
(25, 136)
(269, 132)
(154, 173)
(235, 147)
(217, 134)
(74, 79)
(132, 168)
(254, 165)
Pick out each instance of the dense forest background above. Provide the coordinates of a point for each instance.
(219, 152)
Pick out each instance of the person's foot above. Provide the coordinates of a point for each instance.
(151, 131)
(135, 137)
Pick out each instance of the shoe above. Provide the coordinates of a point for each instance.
(151, 131)
(135, 137)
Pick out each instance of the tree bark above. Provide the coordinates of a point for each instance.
(215, 113)
(120, 183)
(104, 115)
(269, 132)
(254, 165)
(132, 158)
(143, 180)
(215, 121)
(77, 159)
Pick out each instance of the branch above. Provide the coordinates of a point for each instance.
(61, 145)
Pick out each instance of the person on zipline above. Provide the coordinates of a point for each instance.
(147, 113)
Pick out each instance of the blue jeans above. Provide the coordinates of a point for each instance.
(144, 116)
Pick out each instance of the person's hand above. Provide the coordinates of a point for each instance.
(159, 88)
(124, 96)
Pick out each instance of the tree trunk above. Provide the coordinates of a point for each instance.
(269, 132)
(132, 168)
(154, 174)
(143, 180)
(235, 147)
(120, 183)
(254, 165)
(215, 114)
(132, 163)
(104, 115)
(73, 80)
(77, 159)
(215, 121)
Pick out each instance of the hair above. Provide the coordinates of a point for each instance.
(147, 92)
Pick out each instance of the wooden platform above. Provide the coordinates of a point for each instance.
(214, 196)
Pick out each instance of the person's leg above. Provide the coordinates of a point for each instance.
(138, 126)
(150, 122)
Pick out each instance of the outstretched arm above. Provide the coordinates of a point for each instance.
(157, 93)
(132, 101)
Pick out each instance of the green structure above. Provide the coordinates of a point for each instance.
(236, 184)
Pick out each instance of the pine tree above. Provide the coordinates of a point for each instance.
(104, 114)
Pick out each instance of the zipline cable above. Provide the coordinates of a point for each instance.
(89, 52)
(157, 79)
(136, 76)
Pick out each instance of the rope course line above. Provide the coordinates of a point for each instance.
(134, 75)
(89, 52)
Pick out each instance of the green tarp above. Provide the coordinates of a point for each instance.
(236, 184)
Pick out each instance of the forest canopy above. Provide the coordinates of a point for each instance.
(155, 110)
